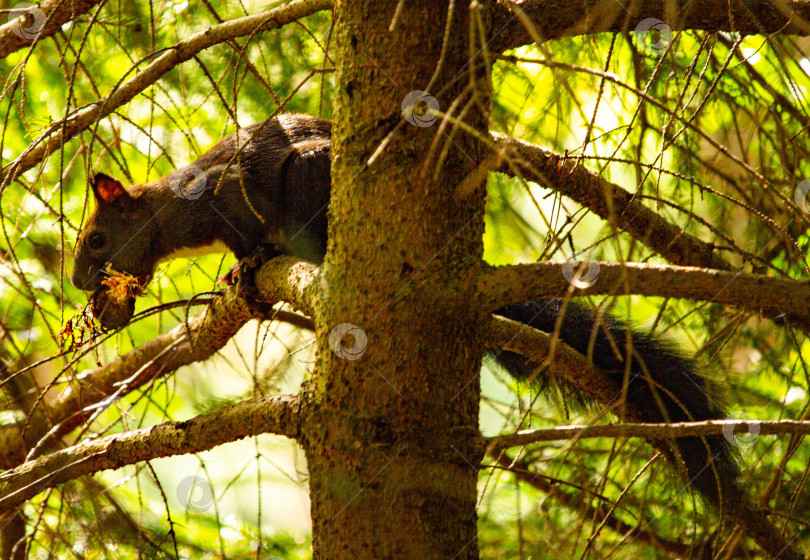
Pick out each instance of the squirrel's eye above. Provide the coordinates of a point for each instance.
(96, 240)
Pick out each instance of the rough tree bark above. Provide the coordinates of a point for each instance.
(392, 438)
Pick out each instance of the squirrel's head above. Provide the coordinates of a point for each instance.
(117, 232)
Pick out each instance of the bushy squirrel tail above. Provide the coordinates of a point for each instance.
(663, 385)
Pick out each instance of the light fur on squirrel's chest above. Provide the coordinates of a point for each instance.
(191, 252)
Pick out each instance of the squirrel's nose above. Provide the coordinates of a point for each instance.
(84, 280)
(75, 278)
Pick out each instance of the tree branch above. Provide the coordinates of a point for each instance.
(575, 369)
(283, 278)
(531, 21)
(503, 285)
(605, 199)
(650, 431)
(62, 131)
(275, 414)
(55, 12)
(581, 506)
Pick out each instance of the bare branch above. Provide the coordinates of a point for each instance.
(651, 431)
(581, 504)
(607, 200)
(275, 414)
(283, 278)
(568, 19)
(51, 14)
(575, 369)
(62, 131)
(498, 286)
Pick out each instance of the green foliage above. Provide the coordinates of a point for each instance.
(715, 148)
(670, 148)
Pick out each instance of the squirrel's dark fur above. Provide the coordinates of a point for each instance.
(282, 167)
(662, 385)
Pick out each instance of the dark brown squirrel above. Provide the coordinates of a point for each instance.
(266, 189)
(266, 183)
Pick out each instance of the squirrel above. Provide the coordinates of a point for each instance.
(264, 190)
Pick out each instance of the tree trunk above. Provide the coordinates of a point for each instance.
(392, 442)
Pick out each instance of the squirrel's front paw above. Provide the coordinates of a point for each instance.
(231, 278)
(247, 266)
(243, 273)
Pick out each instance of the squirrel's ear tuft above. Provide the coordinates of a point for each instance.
(107, 189)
